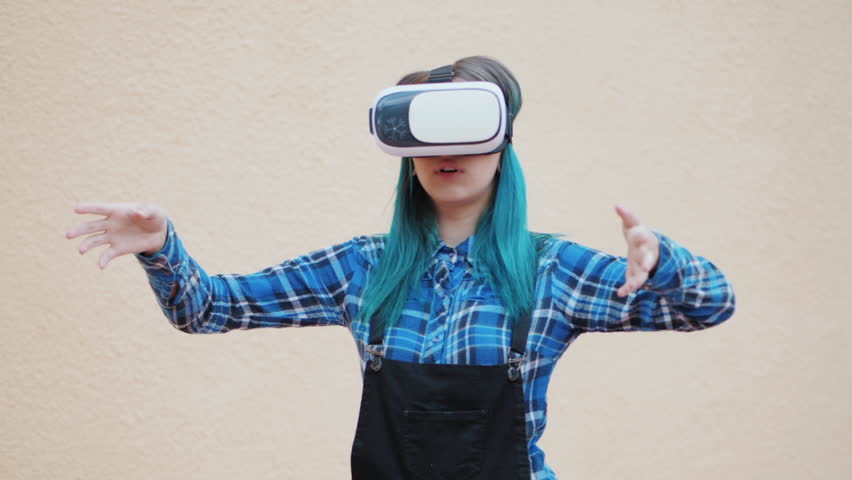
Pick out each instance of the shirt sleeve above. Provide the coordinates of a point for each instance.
(305, 291)
(686, 292)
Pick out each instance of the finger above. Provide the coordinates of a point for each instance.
(108, 255)
(635, 277)
(88, 227)
(638, 280)
(92, 242)
(625, 289)
(629, 218)
(96, 208)
(643, 249)
(630, 286)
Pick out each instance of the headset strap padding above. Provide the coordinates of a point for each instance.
(441, 74)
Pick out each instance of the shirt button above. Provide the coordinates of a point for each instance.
(453, 257)
(436, 340)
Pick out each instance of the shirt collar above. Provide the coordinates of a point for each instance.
(459, 253)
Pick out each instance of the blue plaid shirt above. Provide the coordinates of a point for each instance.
(455, 317)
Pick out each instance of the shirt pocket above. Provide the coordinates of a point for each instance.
(418, 299)
(482, 293)
(483, 336)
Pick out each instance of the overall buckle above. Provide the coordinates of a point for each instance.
(375, 358)
(514, 371)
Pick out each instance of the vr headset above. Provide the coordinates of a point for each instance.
(441, 118)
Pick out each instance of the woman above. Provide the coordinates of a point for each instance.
(459, 313)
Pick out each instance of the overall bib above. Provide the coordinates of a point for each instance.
(448, 422)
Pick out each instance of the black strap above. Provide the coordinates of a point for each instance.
(520, 331)
(377, 336)
(441, 74)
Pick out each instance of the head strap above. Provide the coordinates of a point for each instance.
(441, 74)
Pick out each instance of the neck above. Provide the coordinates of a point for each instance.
(458, 222)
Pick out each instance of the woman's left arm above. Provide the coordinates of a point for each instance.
(659, 285)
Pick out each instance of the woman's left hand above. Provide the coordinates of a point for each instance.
(643, 251)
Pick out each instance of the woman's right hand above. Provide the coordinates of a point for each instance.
(127, 228)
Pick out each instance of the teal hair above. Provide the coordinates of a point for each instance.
(505, 252)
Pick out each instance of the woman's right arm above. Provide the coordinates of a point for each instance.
(305, 291)
(308, 290)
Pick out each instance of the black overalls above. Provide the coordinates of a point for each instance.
(448, 422)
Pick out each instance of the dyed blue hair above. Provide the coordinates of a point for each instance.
(505, 251)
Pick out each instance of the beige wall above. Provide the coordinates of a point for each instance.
(725, 125)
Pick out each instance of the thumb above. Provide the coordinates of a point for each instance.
(142, 213)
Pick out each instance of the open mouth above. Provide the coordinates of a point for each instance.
(448, 168)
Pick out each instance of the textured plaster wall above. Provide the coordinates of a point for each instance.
(726, 125)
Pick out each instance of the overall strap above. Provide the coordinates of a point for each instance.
(376, 335)
(375, 346)
(520, 332)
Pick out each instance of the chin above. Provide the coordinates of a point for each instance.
(452, 200)
(459, 199)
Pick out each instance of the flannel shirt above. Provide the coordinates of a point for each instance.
(454, 316)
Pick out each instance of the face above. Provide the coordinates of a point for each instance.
(461, 180)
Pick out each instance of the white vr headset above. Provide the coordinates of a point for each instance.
(441, 118)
